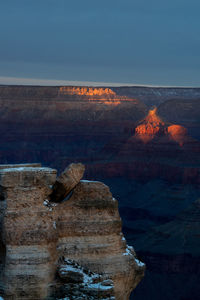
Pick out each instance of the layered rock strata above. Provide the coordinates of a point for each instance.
(35, 236)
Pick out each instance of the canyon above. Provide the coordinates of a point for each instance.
(143, 142)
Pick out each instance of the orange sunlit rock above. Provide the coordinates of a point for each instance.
(117, 102)
(103, 95)
(150, 126)
(86, 91)
(177, 133)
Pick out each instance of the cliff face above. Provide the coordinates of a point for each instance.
(48, 249)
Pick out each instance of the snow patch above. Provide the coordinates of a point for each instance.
(46, 202)
(92, 281)
(74, 267)
(88, 181)
(49, 205)
(139, 263)
(99, 286)
(129, 250)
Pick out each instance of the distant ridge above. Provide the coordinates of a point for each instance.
(51, 82)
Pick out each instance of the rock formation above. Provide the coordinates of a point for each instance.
(86, 91)
(67, 181)
(151, 126)
(178, 133)
(44, 244)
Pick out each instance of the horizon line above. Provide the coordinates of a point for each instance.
(6, 80)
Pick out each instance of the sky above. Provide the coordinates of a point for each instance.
(139, 42)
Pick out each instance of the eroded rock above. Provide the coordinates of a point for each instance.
(85, 229)
(177, 133)
(149, 127)
(66, 182)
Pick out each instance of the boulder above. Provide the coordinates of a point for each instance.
(67, 181)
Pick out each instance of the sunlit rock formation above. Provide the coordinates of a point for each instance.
(178, 133)
(40, 239)
(86, 91)
(149, 127)
(100, 95)
(153, 126)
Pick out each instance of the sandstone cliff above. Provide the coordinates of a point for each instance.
(52, 250)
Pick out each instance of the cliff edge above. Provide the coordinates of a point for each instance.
(70, 248)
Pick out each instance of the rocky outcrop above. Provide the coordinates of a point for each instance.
(79, 282)
(178, 133)
(151, 126)
(67, 181)
(39, 239)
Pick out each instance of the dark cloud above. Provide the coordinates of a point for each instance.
(110, 40)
